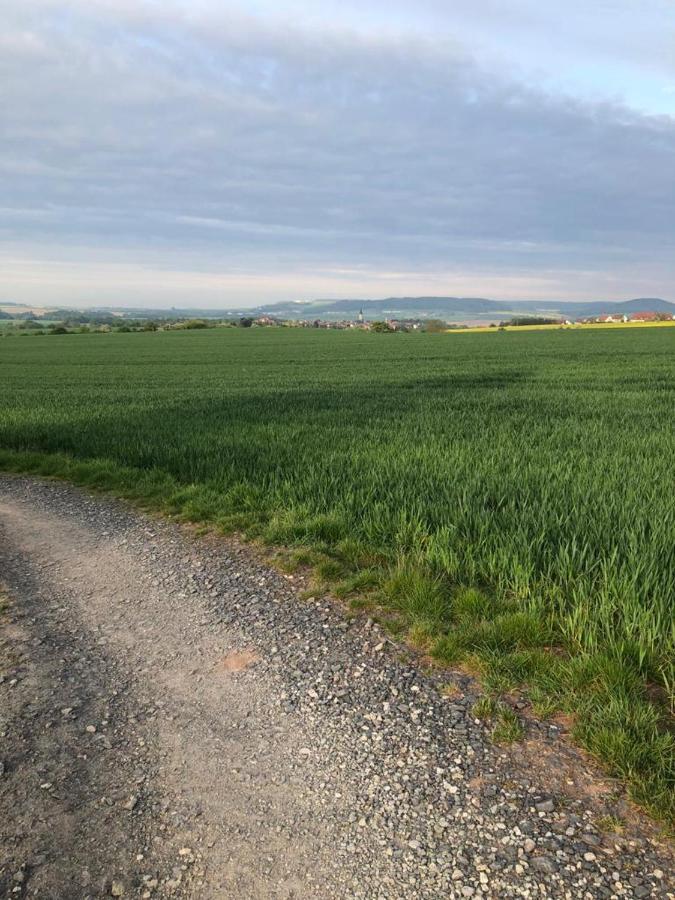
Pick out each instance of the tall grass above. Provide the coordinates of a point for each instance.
(534, 470)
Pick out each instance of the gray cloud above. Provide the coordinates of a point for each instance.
(230, 141)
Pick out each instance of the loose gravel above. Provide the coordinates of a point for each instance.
(177, 721)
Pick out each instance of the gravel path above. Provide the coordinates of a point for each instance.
(176, 721)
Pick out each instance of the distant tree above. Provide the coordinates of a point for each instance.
(245, 322)
(531, 320)
(380, 327)
(435, 326)
(58, 329)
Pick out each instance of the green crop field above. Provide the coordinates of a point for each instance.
(504, 499)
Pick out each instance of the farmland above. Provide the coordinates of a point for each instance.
(505, 499)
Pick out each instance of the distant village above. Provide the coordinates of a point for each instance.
(632, 317)
(360, 323)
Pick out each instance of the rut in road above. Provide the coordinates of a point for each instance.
(176, 721)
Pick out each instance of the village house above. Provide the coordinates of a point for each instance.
(645, 317)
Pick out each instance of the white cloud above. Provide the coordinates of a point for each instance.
(137, 132)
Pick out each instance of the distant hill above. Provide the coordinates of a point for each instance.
(454, 309)
(387, 308)
(641, 304)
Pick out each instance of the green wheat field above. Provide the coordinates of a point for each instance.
(506, 501)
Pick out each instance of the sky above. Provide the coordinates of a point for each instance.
(212, 154)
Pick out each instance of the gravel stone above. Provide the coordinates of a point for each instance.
(544, 864)
(545, 806)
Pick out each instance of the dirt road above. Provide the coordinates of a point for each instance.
(176, 721)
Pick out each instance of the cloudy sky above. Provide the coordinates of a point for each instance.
(212, 153)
